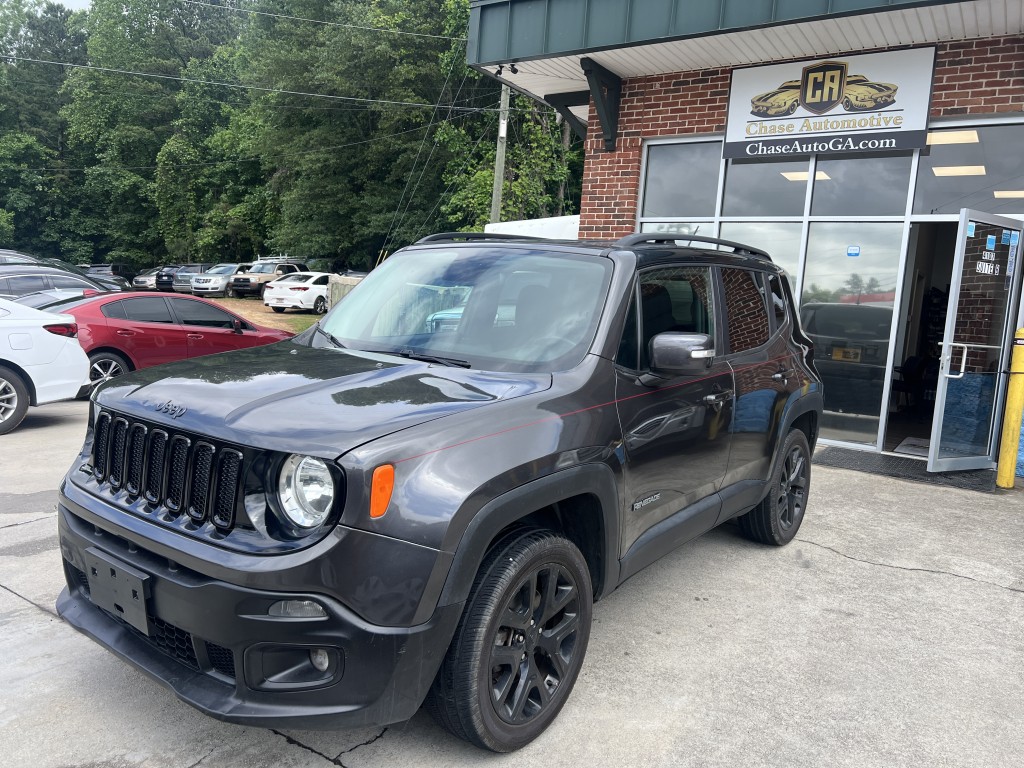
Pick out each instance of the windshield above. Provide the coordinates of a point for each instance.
(263, 268)
(294, 277)
(496, 309)
(222, 269)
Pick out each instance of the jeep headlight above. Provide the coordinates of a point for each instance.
(305, 490)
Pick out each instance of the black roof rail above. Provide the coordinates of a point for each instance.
(646, 237)
(443, 236)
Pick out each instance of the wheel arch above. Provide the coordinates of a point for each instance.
(581, 503)
(29, 383)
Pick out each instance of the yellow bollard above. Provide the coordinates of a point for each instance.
(1007, 467)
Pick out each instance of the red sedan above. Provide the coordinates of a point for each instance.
(125, 331)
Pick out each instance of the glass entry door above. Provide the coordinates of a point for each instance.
(971, 387)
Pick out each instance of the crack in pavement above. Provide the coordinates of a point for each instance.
(297, 743)
(201, 759)
(366, 743)
(33, 603)
(907, 568)
(26, 522)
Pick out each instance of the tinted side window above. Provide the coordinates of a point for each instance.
(322, 280)
(198, 313)
(148, 310)
(60, 281)
(115, 310)
(778, 299)
(745, 310)
(627, 354)
(23, 284)
(674, 299)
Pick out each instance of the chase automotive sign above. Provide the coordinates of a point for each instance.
(868, 103)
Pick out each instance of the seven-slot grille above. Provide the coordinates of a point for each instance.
(176, 471)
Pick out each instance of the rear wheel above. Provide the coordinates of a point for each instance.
(278, 309)
(520, 643)
(104, 366)
(13, 400)
(320, 305)
(777, 518)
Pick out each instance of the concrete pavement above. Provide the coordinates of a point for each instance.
(891, 632)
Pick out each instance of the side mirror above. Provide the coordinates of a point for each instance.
(680, 354)
(236, 325)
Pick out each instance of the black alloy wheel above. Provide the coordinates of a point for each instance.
(520, 643)
(779, 515)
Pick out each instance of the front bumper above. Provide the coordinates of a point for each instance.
(246, 288)
(214, 645)
(209, 290)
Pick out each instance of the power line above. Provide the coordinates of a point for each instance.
(236, 160)
(261, 89)
(325, 23)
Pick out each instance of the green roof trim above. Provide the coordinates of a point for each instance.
(501, 31)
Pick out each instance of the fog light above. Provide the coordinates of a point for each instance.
(320, 659)
(298, 609)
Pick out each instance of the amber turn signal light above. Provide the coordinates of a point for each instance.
(381, 486)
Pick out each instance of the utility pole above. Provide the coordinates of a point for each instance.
(499, 159)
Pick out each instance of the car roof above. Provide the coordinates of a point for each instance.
(655, 248)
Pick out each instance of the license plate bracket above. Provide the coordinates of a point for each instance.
(118, 588)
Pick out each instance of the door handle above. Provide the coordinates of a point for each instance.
(963, 361)
(125, 332)
(195, 336)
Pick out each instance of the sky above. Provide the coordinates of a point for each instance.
(75, 5)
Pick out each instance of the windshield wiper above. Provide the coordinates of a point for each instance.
(333, 339)
(451, 362)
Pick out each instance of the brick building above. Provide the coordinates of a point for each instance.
(873, 147)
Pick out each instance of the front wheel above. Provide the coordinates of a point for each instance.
(777, 518)
(13, 400)
(520, 644)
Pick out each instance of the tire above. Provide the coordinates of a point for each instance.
(320, 305)
(14, 399)
(478, 693)
(278, 309)
(232, 294)
(263, 290)
(777, 518)
(104, 366)
(792, 108)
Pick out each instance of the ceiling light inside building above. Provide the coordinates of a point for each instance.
(959, 170)
(1006, 194)
(952, 137)
(802, 175)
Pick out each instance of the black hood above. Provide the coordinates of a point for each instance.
(320, 401)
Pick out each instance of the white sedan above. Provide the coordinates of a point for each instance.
(301, 290)
(40, 361)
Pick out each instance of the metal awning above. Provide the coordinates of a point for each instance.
(537, 37)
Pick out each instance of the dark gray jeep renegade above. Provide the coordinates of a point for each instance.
(419, 499)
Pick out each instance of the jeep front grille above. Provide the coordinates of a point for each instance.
(179, 472)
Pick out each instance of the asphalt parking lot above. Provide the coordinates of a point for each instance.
(891, 632)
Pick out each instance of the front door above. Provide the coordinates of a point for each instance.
(675, 430)
(975, 348)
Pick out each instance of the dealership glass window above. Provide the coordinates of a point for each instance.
(705, 228)
(861, 184)
(849, 289)
(980, 168)
(780, 238)
(682, 179)
(765, 187)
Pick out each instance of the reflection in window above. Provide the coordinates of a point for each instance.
(765, 187)
(682, 179)
(705, 228)
(745, 310)
(849, 288)
(673, 299)
(979, 168)
(861, 185)
(779, 238)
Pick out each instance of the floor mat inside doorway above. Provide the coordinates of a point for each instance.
(904, 469)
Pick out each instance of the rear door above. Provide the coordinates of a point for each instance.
(675, 430)
(144, 328)
(209, 329)
(758, 329)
